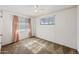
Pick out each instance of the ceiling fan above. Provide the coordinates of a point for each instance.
(36, 7)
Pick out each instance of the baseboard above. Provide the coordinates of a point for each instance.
(14, 42)
(7, 44)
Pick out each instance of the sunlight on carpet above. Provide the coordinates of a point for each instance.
(35, 46)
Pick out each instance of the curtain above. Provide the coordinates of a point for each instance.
(15, 29)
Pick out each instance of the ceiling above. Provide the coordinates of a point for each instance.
(34, 10)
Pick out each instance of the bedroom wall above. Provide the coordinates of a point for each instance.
(33, 24)
(64, 30)
(7, 28)
(0, 31)
(0, 25)
(78, 28)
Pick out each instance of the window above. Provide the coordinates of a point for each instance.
(47, 21)
(23, 24)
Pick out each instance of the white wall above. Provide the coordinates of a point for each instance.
(78, 28)
(0, 22)
(7, 28)
(64, 30)
(0, 25)
(33, 24)
(0, 31)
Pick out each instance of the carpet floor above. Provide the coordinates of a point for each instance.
(36, 46)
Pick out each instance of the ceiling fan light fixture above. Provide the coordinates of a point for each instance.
(35, 6)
